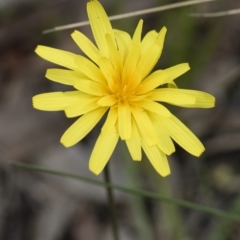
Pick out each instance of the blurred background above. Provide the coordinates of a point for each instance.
(40, 206)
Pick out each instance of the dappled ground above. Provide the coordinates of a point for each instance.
(40, 206)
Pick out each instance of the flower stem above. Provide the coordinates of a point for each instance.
(111, 203)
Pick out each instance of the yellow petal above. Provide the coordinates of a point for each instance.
(55, 101)
(111, 119)
(84, 106)
(62, 76)
(154, 107)
(76, 93)
(90, 69)
(172, 84)
(138, 32)
(82, 127)
(202, 99)
(107, 101)
(150, 58)
(114, 54)
(123, 40)
(160, 38)
(183, 136)
(86, 46)
(59, 57)
(152, 81)
(157, 158)
(177, 70)
(109, 72)
(130, 63)
(103, 149)
(124, 120)
(137, 98)
(145, 126)
(91, 87)
(165, 143)
(134, 81)
(148, 40)
(178, 97)
(134, 143)
(100, 25)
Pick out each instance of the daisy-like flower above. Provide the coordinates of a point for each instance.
(115, 79)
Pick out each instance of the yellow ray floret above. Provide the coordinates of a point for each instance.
(82, 127)
(134, 143)
(115, 78)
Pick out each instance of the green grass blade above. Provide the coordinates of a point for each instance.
(136, 192)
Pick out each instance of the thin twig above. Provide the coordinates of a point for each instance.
(131, 14)
(216, 14)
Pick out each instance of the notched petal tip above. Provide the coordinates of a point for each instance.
(165, 171)
(138, 32)
(33, 101)
(200, 153)
(161, 36)
(38, 49)
(209, 101)
(213, 101)
(65, 144)
(36, 102)
(185, 66)
(166, 174)
(93, 170)
(75, 32)
(163, 30)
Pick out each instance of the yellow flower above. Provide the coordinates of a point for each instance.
(116, 79)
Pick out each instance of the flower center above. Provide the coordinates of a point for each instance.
(124, 93)
(123, 89)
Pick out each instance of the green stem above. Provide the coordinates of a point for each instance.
(111, 203)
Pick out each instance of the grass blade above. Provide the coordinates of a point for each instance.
(136, 192)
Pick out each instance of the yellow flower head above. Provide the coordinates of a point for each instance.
(116, 79)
